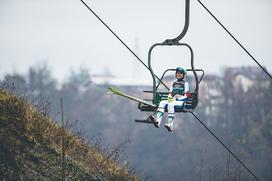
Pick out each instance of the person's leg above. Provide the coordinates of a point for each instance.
(157, 117)
(171, 114)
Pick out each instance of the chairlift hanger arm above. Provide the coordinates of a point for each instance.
(175, 41)
(185, 28)
(152, 72)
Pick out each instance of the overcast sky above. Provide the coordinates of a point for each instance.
(67, 36)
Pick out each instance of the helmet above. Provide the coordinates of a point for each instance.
(181, 70)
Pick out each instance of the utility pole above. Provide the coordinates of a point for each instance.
(62, 141)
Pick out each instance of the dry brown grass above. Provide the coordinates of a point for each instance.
(38, 128)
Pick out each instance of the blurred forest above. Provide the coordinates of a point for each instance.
(235, 106)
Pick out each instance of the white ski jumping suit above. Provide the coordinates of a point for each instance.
(179, 91)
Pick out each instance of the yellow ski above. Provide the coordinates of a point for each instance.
(119, 93)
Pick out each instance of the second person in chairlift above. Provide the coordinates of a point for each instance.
(178, 95)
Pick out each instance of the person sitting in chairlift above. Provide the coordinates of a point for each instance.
(178, 95)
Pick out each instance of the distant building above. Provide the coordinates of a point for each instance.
(246, 77)
(210, 94)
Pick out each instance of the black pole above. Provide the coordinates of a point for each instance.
(62, 141)
(186, 25)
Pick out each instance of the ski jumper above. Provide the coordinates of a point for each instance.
(178, 95)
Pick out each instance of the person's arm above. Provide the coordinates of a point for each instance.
(187, 89)
(170, 95)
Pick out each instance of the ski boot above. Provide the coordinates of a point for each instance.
(156, 119)
(170, 125)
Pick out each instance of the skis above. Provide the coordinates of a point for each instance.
(119, 93)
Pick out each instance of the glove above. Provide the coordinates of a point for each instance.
(188, 94)
(170, 99)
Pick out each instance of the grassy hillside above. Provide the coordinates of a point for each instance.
(30, 148)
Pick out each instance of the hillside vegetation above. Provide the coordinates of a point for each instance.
(31, 148)
(236, 106)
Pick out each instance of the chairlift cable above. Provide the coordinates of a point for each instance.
(119, 39)
(232, 36)
(166, 86)
(221, 142)
(235, 39)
